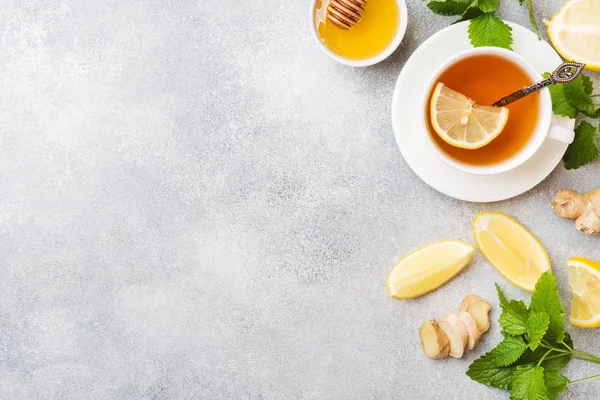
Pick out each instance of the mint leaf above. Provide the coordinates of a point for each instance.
(537, 325)
(507, 351)
(578, 93)
(584, 148)
(513, 319)
(484, 370)
(588, 85)
(556, 383)
(545, 299)
(560, 103)
(448, 7)
(488, 6)
(470, 13)
(489, 30)
(528, 384)
(568, 99)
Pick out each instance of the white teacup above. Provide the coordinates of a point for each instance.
(543, 130)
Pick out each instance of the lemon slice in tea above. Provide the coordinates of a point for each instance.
(460, 122)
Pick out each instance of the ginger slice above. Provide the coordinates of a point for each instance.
(479, 310)
(435, 341)
(457, 333)
(468, 300)
(471, 325)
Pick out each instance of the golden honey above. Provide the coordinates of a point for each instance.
(371, 35)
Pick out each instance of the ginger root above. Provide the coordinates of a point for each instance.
(583, 207)
(435, 341)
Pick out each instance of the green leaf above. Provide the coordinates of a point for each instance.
(537, 325)
(470, 13)
(528, 384)
(513, 319)
(588, 85)
(578, 93)
(488, 6)
(545, 299)
(532, 19)
(569, 99)
(448, 7)
(556, 383)
(507, 351)
(584, 148)
(560, 103)
(484, 370)
(489, 30)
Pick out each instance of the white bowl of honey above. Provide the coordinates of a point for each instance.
(374, 38)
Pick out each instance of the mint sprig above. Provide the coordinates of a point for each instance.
(529, 363)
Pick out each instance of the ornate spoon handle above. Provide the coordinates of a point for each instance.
(565, 73)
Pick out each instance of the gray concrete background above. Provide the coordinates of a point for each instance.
(196, 203)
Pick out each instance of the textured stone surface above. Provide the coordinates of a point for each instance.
(196, 203)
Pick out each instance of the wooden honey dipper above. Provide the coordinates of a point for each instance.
(345, 13)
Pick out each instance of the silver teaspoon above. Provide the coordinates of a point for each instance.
(565, 73)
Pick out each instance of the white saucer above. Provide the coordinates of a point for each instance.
(411, 134)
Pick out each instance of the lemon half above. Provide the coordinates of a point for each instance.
(575, 32)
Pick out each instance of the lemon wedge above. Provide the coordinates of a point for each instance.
(428, 268)
(584, 281)
(575, 32)
(511, 249)
(460, 122)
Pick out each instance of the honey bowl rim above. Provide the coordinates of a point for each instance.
(367, 62)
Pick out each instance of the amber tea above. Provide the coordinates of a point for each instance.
(487, 78)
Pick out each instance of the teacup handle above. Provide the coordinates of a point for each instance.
(561, 134)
